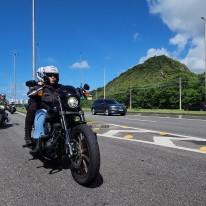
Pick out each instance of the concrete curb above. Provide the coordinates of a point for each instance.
(97, 125)
(186, 116)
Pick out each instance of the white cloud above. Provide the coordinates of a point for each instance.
(135, 36)
(180, 40)
(192, 59)
(80, 65)
(154, 52)
(184, 18)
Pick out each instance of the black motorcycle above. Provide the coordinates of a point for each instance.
(67, 137)
(3, 115)
(12, 109)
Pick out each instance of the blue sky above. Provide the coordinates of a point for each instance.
(84, 38)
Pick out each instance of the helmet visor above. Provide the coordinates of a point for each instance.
(52, 75)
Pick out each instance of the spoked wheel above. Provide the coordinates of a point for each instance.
(85, 164)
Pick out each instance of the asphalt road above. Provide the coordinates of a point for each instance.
(132, 172)
(177, 125)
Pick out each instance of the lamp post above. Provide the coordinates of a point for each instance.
(104, 81)
(80, 59)
(33, 41)
(205, 54)
(15, 54)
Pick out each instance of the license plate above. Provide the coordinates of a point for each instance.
(120, 110)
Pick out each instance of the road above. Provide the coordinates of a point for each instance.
(190, 127)
(133, 172)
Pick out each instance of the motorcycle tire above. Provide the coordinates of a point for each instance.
(86, 164)
(12, 111)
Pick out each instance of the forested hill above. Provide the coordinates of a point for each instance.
(155, 70)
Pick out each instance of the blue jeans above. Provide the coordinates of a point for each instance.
(39, 120)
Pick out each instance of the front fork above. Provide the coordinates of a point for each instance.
(70, 144)
(68, 140)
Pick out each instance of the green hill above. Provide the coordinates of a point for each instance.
(156, 84)
(155, 70)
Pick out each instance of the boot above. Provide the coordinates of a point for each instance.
(28, 128)
(35, 148)
(28, 138)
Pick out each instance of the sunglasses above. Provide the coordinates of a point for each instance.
(52, 75)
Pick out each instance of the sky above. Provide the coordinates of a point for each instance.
(94, 41)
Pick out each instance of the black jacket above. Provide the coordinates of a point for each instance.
(34, 102)
(50, 94)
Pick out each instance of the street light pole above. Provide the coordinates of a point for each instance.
(15, 54)
(104, 81)
(80, 59)
(33, 41)
(205, 54)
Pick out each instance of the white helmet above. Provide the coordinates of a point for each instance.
(3, 95)
(43, 71)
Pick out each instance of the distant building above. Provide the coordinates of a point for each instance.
(18, 101)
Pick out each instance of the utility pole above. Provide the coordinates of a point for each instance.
(180, 88)
(104, 81)
(15, 54)
(130, 99)
(205, 53)
(80, 59)
(33, 41)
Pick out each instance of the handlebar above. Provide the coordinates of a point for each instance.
(36, 91)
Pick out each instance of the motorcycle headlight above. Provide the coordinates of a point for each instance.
(73, 102)
(2, 107)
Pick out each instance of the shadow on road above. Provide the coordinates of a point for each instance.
(56, 166)
(5, 126)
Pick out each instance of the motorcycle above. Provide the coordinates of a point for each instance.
(67, 137)
(12, 109)
(3, 115)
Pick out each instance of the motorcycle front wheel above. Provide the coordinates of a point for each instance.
(85, 164)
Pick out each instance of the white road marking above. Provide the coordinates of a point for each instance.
(163, 141)
(158, 140)
(155, 131)
(140, 120)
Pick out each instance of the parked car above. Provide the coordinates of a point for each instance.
(200, 106)
(108, 106)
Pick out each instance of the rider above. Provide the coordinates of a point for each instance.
(5, 103)
(34, 103)
(50, 77)
(3, 100)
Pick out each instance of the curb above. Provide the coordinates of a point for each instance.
(186, 116)
(97, 125)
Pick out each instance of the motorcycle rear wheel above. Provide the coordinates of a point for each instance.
(86, 164)
(12, 110)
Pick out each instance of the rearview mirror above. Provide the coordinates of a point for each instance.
(86, 87)
(31, 83)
